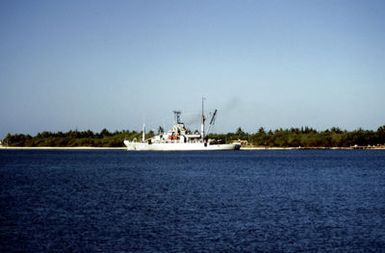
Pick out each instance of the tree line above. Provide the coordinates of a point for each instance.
(293, 137)
(72, 138)
(307, 137)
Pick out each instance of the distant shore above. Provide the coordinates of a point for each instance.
(315, 148)
(67, 148)
(293, 138)
(242, 148)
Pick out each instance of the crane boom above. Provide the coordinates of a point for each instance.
(212, 121)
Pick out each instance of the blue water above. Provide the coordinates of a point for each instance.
(269, 201)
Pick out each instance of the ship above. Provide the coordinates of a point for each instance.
(180, 138)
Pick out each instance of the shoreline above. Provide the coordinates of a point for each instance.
(242, 148)
(66, 148)
(316, 148)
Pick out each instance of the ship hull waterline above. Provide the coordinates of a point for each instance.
(140, 146)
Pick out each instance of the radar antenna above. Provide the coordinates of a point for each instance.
(177, 116)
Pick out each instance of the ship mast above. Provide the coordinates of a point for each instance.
(144, 133)
(203, 120)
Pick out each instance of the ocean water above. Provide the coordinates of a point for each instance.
(255, 201)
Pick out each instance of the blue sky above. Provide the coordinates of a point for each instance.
(114, 64)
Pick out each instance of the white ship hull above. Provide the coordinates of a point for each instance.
(179, 146)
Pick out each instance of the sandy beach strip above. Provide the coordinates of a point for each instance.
(242, 148)
(315, 148)
(67, 148)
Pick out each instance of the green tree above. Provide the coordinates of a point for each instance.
(105, 133)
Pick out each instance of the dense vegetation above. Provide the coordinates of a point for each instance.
(307, 137)
(294, 137)
(73, 139)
